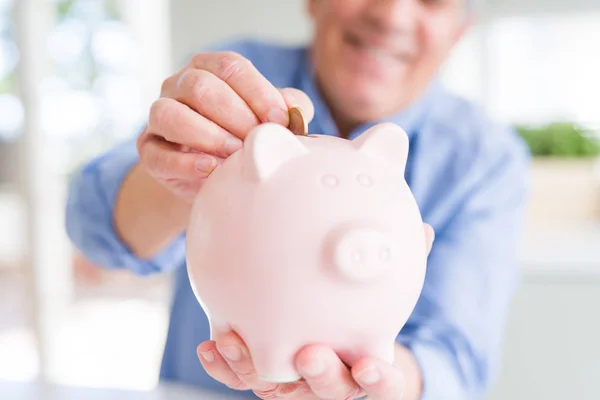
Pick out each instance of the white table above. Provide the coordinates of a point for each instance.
(566, 250)
(42, 391)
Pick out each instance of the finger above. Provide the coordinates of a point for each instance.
(186, 190)
(325, 373)
(297, 98)
(165, 160)
(237, 356)
(243, 77)
(178, 124)
(379, 380)
(292, 391)
(169, 85)
(429, 237)
(217, 367)
(211, 97)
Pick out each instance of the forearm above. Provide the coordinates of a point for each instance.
(147, 216)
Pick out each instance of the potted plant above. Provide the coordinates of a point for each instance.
(565, 173)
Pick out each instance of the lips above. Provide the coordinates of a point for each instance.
(379, 52)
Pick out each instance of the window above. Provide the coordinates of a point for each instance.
(105, 66)
(19, 357)
(533, 69)
(11, 117)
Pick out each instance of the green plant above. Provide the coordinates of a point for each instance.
(560, 139)
(6, 84)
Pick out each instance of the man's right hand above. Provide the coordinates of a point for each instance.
(203, 115)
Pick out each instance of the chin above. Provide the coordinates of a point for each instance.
(365, 102)
(371, 112)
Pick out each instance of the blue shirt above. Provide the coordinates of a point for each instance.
(469, 178)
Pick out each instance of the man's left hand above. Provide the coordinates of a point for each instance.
(324, 375)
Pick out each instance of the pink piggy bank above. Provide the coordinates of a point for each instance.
(297, 240)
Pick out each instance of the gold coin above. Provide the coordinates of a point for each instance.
(298, 124)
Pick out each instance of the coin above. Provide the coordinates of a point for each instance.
(298, 124)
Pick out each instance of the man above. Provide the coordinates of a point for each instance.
(370, 61)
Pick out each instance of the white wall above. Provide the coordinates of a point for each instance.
(552, 350)
(198, 23)
(152, 34)
(522, 7)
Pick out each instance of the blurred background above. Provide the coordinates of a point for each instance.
(78, 76)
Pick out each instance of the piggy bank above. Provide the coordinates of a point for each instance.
(298, 240)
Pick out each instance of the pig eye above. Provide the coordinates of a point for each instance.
(330, 180)
(364, 180)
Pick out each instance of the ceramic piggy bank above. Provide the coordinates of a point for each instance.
(298, 240)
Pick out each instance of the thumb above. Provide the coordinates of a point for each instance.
(297, 98)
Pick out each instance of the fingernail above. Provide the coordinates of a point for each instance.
(369, 376)
(232, 144)
(314, 368)
(277, 115)
(206, 163)
(231, 353)
(208, 356)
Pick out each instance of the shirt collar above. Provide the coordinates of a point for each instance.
(410, 119)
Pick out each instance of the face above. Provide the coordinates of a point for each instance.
(374, 57)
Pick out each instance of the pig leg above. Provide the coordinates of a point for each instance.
(384, 350)
(275, 363)
(218, 328)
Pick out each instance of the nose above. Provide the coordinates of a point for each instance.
(364, 254)
(393, 16)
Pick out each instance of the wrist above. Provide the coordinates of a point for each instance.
(148, 216)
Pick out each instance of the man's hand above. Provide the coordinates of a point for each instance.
(204, 113)
(324, 375)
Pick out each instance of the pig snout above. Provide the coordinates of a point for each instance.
(363, 254)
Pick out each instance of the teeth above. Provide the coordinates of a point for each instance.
(379, 54)
(374, 52)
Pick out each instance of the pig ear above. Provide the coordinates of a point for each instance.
(268, 147)
(387, 142)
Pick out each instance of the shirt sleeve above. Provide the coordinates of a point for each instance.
(457, 327)
(89, 215)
